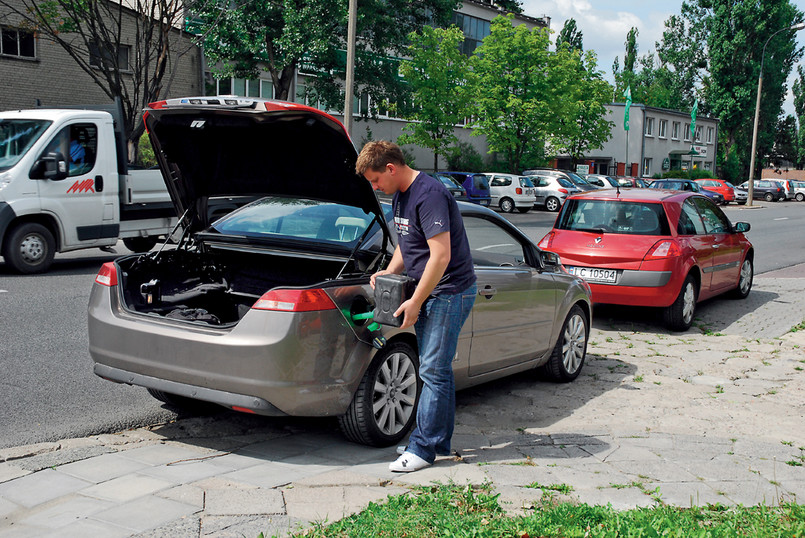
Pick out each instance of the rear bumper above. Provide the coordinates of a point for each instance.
(638, 288)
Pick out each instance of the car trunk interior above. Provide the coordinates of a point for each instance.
(216, 288)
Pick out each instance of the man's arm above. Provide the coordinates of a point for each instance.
(438, 261)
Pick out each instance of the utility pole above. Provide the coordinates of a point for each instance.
(350, 78)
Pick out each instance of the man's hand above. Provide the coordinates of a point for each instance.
(375, 275)
(410, 310)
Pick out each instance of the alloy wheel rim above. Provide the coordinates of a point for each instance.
(552, 205)
(688, 303)
(746, 276)
(32, 248)
(394, 393)
(575, 336)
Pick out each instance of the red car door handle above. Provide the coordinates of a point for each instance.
(487, 292)
(716, 246)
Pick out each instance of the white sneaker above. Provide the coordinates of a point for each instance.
(408, 463)
(401, 449)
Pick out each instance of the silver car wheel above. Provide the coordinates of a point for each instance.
(574, 343)
(552, 204)
(746, 277)
(395, 389)
(688, 303)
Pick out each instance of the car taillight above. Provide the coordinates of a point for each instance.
(286, 300)
(107, 276)
(518, 190)
(665, 248)
(563, 191)
(545, 242)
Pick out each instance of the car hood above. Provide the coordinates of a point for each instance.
(233, 147)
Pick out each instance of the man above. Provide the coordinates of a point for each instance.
(433, 249)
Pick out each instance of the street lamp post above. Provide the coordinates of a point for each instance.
(352, 23)
(797, 27)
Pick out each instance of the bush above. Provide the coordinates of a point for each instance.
(682, 174)
(145, 152)
(464, 157)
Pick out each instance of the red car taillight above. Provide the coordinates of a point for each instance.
(563, 191)
(107, 276)
(664, 248)
(545, 242)
(295, 301)
(518, 190)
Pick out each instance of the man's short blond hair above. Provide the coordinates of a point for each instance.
(377, 154)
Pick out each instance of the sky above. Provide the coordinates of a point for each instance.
(604, 25)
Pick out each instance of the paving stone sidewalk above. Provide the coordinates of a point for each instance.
(713, 415)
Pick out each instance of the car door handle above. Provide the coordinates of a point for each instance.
(487, 291)
(98, 183)
(716, 246)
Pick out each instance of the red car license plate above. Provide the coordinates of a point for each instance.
(594, 274)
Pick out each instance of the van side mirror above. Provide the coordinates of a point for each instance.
(742, 227)
(51, 166)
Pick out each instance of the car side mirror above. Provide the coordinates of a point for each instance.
(742, 227)
(550, 259)
(51, 166)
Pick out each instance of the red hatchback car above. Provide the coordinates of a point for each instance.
(720, 186)
(653, 247)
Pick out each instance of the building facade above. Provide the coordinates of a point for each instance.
(658, 140)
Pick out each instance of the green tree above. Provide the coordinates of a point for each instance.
(510, 6)
(436, 73)
(583, 125)
(90, 32)
(516, 92)
(785, 142)
(625, 78)
(570, 36)
(281, 36)
(799, 108)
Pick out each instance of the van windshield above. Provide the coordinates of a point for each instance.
(16, 138)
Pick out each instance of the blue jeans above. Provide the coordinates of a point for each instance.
(437, 330)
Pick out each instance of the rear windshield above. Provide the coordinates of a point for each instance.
(480, 182)
(610, 216)
(525, 182)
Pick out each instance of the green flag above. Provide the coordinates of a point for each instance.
(693, 119)
(628, 96)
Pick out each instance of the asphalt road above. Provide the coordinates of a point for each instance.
(48, 391)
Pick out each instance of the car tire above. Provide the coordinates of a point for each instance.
(183, 402)
(140, 244)
(507, 205)
(523, 209)
(800, 197)
(769, 197)
(29, 248)
(567, 357)
(744, 280)
(392, 385)
(679, 316)
(553, 204)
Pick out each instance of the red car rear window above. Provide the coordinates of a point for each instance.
(610, 216)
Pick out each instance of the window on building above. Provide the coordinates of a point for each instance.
(675, 130)
(646, 167)
(100, 55)
(15, 42)
(710, 134)
(475, 30)
(698, 134)
(708, 165)
(649, 131)
(663, 132)
(687, 132)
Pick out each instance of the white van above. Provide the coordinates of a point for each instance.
(510, 191)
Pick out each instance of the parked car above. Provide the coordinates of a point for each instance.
(601, 181)
(635, 182)
(765, 189)
(726, 190)
(788, 187)
(453, 186)
(551, 191)
(686, 185)
(510, 191)
(653, 247)
(741, 196)
(799, 190)
(476, 185)
(577, 181)
(256, 311)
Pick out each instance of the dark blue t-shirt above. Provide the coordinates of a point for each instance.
(424, 210)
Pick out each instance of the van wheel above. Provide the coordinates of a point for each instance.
(679, 316)
(552, 204)
(29, 248)
(769, 197)
(744, 280)
(384, 406)
(506, 205)
(568, 355)
(140, 244)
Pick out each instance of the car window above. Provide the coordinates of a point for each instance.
(500, 181)
(79, 145)
(491, 245)
(480, 182)
(621, 217)
(566, 183)
(525, 182)
(17, 137)
(715, 221)
(541, 182)
(690, 222)
(295, 219)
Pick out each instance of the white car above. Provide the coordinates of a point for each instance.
(510, 191)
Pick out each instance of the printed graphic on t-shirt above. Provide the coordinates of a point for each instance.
(402, 225)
